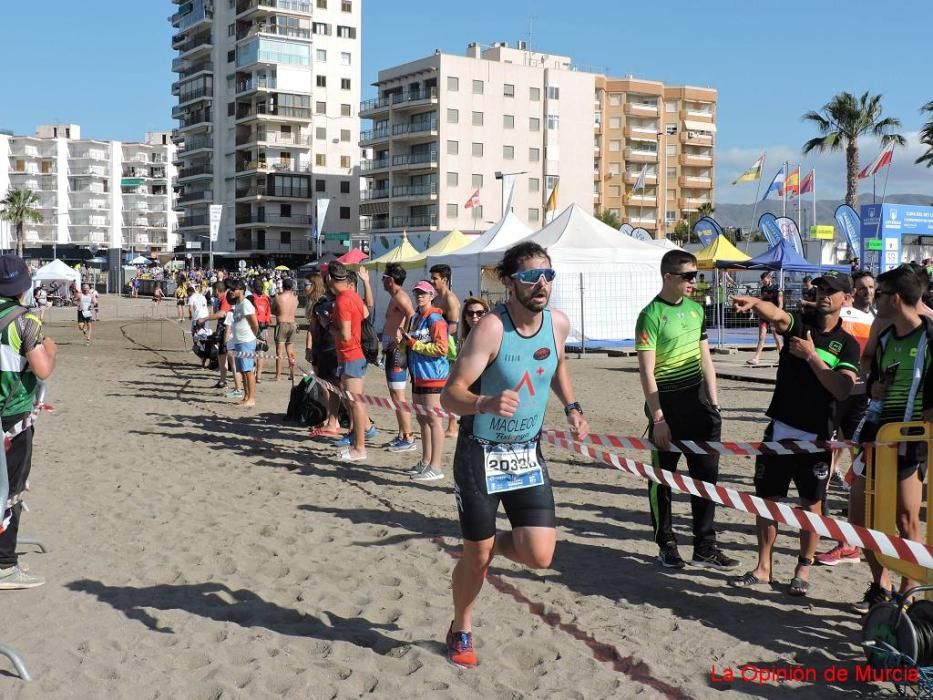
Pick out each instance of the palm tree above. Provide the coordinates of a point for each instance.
(841, 121)
(706, 209)
(926, 137)
(18, 207)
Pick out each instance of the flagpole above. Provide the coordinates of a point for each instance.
(887, 171)
(813, 189)
(757, 192)
(784, 190)
(798, 195)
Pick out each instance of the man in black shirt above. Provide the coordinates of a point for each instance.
(817, 366)
(771, 294)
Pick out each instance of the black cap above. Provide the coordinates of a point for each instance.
(835, 281)
(14, 276)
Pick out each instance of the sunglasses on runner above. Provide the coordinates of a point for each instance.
(685, 276)
(532, 276)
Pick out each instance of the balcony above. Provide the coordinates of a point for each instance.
(410, 222)
(646, 222)
(374, 164)
(700, 183)
(372, 195)
(692, 203)
(373, 135)
(415, 191)
(190, 47)
(262, 190)
(380, 223)
(192, 144)
(696, 115)
(637, 155)
(632, 178)
(93, 154)
(186, 98)
(645, 133)
(89, 171)
(640, 109)
(254, 84)
(196, 171)
(198, 119)
(696, 138)
(274, 29)
(695, 160)
(413, 161)
(244, 8)
(247, 115)
(272, 138)
(193, 221)
(275, 165)
(399, 100)
(253, 219)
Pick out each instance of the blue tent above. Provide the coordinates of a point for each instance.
(782, 257)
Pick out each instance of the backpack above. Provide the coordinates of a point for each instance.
(369, 340)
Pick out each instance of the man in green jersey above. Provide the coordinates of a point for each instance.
(900, 377)
(679, 382)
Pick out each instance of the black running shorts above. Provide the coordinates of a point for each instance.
(531, 507)
(773, 473)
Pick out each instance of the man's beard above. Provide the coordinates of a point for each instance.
(529, 302)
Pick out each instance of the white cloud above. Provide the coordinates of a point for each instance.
(904, 178)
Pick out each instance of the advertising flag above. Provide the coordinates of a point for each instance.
(322, 205)
(880, 163)
(640, 182)
(790, 232)
(215, 212)
(792, 183)
(626, 229)
(767, 224)
(851, 226)
(706, 229)
(807, 184)
(473, 201)
(777, 184)
(639, 234)
(753, 173)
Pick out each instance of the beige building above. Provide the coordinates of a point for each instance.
(445, 125)
(669, 132)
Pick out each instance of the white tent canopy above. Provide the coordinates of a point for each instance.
(604, 278)
(665, 244)
(57, 271)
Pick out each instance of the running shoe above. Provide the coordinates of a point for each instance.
(417, 469)
(395, 441)
(840, 554)
(220, 385)
(460, 650)
(403, 445)
(714, 558)
(670, 558)
(347, 439)
(234, 394)
(429, 474)
(372, 432)
(873, 596)
(840, 482)
(14, 578)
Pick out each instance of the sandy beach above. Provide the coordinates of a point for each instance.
(199, 550)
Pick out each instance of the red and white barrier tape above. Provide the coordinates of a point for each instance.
(839, 530)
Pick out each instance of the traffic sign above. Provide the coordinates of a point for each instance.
(242, 264)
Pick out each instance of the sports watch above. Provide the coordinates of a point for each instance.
(575, 406)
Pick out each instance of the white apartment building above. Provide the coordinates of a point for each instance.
(444, 125)
(92, 193)
(267, 124)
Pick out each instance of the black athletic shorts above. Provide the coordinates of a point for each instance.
(809, 472)
(426, 390)
(326, 366)
(531, 507)
(849, 414)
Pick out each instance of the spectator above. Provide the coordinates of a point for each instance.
(473, 310)
(263, 306)
(245, 328)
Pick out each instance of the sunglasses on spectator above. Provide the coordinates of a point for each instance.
(476, 312)
(685, 276)
(532, 276)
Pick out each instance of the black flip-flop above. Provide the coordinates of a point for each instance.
(799, 587)
(748, 580)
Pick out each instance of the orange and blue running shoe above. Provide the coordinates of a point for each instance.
(460, 649)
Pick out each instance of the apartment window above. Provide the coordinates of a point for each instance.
(533, 214)
(453, 148)
(285, 210)
(453, 84)
(344, 134)
(508, 152)
(320, 108)
(534, 154)
(320, 185)
(671, 173)
(344, 161)
(534, 124)
(231, 56)
(344, 187)
(452, 211)
(615, 145)
(231, 29)
(615, 212)
(346, 6)
(534, 94)
(508, 90)
(615, 191)
(320, 80)
(477, 87)
(453, 116)
(477, 150)
(477, 118)
(672, 150)
(670, 216)
(344, 212)
(320, 55)
(615, 99)
(322, 4)
(553, 121)
(476, 181)
(615, 168)
(345, 58)
(453, 179)
(553, 92)
(320, 28)
(615, 122)
(231, 109)
(344, 110)
(508, 121)
(346, 32)
(344, 83)
(320, 132)
(320, 159)
(534, 184)
(670, 107)
(670, 129)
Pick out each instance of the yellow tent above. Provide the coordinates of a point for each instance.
(402, 253)
(453, 241)
(719, 249)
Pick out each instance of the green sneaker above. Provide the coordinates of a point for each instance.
(15, 578)
(234, 394)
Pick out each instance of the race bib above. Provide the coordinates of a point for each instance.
(86, 314)
(512, 466)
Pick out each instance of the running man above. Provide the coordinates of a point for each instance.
(817, 367)
(181, 298)
(500, 386)
(86, 312)
(771, 294)
(449, 304)
(682, 402)
(399, 312)
(285, 305)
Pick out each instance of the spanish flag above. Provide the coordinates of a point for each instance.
(792, 183)
(552, 200)
(753, 173)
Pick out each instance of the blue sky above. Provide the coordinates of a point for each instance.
(105, 64)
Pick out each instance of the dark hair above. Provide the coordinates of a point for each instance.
(442, 270)
(673, 259)
(257, 286)
(220, 286)
(807, 278)
(856, 276)
(288, 284)
(515, 256)
(766, 273)
(236, 285)
(904, 282)
(398, 274)
(337, 271)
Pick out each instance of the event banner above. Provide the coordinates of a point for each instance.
(215, 213)
(851, 226)
(767, 224)
(640, 234)
(626, 229)
(790, 232)
(706, 229)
